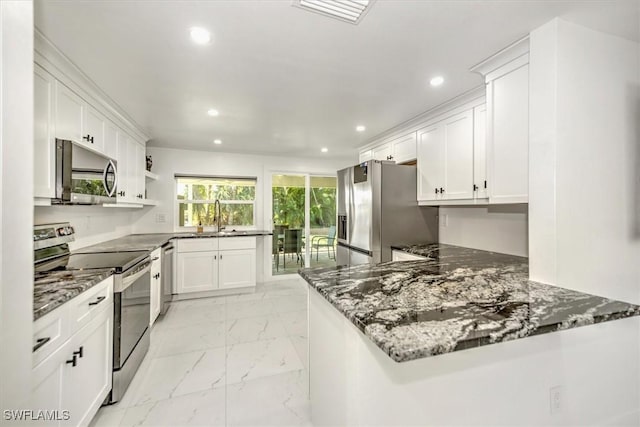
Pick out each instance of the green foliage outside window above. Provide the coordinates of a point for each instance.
(288, 206)
(197, 196)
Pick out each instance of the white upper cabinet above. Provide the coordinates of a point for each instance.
(94, 128)
(507, 117)
(431, 163)
(69, 114)
(400, 150)
(111, 139)
(445, 159)
(43, 134)
(480, 152)
(404, 148)
(382, 152)
(458, 161)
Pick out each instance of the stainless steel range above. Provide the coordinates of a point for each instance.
(132, 295)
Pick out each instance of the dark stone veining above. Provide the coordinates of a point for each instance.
(457, 298)
(52, 289)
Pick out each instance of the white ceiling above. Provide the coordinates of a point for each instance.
(287, 81)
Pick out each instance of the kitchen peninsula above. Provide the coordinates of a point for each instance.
(456, 299)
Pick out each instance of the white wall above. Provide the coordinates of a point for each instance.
(168, 162)
(585, 160)
(499, 228)
(16, 201)
(93, 224)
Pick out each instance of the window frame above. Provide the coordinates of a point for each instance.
(177, 227)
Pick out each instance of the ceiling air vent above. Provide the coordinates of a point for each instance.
(345, 10)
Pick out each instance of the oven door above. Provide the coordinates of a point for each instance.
(132, 305)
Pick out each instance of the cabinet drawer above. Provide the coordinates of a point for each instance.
(237, 243)
(197, 245)
(49, 332)
(90, 304)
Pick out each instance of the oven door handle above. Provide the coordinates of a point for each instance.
(129, 280)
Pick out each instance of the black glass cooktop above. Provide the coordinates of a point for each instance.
(120, 261)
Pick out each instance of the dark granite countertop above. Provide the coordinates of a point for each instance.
(149, 242)
(457, 298)
(52, 289)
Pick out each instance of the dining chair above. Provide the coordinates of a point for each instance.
(293, 244)
(327, 241)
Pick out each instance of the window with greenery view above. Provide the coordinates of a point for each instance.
(197, 196)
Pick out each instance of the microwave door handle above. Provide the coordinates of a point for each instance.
(111, 192)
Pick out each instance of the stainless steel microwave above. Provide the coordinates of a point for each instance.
(83, 176)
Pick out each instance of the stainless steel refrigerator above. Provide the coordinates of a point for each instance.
(377, 208)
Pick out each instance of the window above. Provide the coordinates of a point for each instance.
(196, 198)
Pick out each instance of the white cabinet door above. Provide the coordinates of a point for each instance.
(365, 155)
(404, 148)
(480, 152)
(458, 162)
(197, 272)
(508, 136)
(237, 268)
(156, 280)
(382, 152)
(430, 163)
(46, 380)
(69, 114)
(140, 168)
(44, 154)
(86, 384)
(94, 128)
(123, 166)
(111, 140)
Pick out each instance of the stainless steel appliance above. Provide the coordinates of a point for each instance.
(83, 177)
(377, 208)
(132, 295)
(167, 276)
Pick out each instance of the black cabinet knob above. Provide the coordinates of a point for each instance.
(79, 353)
(437, 191)
(74, 361)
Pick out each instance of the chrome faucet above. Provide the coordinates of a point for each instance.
(217, 215)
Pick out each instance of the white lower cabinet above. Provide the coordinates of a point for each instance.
(211, 264)
(74, 377)
(237, 268)
(197, 272)
(156, 285)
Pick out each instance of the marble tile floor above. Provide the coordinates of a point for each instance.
(228, 361)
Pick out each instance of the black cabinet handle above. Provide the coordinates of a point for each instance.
(97, 301)
(40, 342)
(485, 184)
(73, 361)
(215, 257)
(437, 191)
(79, 353)
(475, 187)
(441, 190)
(121, 193)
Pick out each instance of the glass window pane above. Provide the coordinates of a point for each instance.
(192, 214)
(236, 214)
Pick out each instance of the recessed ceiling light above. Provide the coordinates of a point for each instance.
(360, 128)
(200, 35)
(213, 113)
(324, 149)
(437, 81)
(217, 141)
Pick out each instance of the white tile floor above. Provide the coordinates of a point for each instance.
(228, 361)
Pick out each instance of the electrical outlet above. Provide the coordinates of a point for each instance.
(555, 399)
(161, 218)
